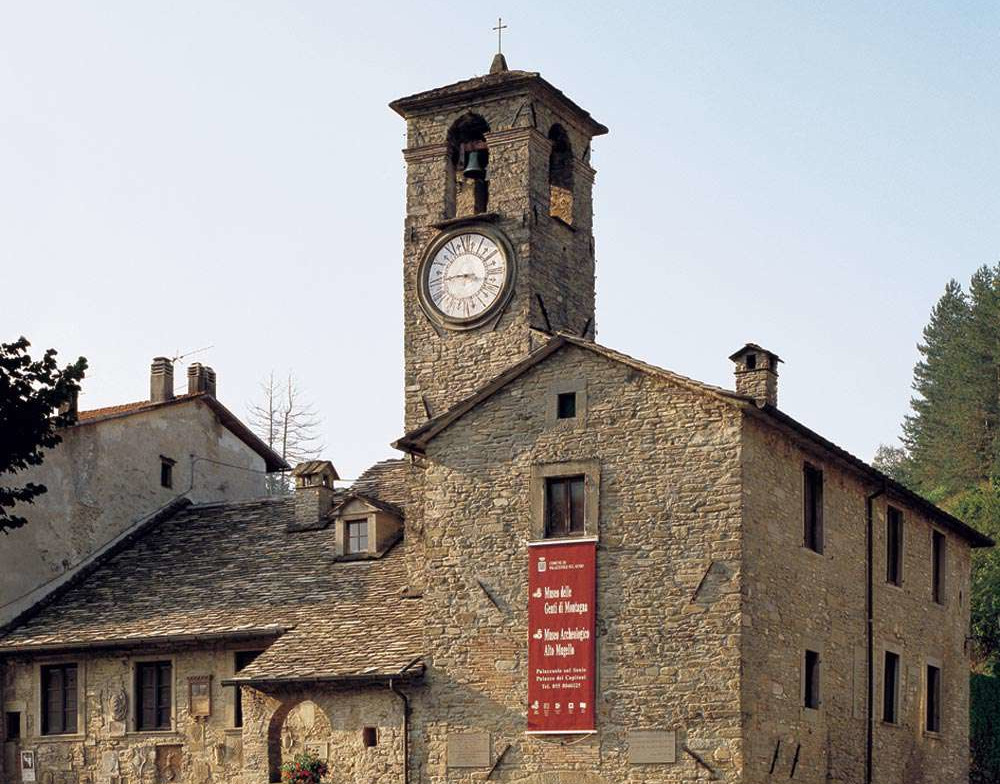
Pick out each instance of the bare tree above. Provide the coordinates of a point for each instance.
(287, 424)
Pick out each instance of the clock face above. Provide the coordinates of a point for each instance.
(465, 277)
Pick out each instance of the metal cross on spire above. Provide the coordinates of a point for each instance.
(500, 28)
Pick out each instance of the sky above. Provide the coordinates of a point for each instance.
(801, 175)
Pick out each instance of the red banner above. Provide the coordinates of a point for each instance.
(562, 592)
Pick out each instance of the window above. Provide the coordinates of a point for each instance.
(751, 361)
(153, 695)
(566, 405)
(810, 681)
(357, 536)
(243, 660)
(937, 566)
(12, 723)
(894, 547)
(59, 699)
(932, 718)
(813, 479)
(369, 737)
(890, 687)
(564, 506)
(166, 471)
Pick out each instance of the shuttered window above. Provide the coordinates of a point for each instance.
(153, 694)
(932, 701)
(813, 512)
(564, 505)
(894, 547)
(937, 566)
(811, 680)
(890, 687)
(59, 699)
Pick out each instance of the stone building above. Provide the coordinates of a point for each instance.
(120, 464)
(758, 604)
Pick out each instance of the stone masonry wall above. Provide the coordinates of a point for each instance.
(105, 476)
(326, 721)
(668, 575)
(553, 261)
(107, 750)
(796, 599)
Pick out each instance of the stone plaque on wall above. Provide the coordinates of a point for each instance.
(200, 696)
(469, 750)
(651, 747)
(319, 749)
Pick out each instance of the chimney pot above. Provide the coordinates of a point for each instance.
(201, 378)
(757, 374)
(161, 380)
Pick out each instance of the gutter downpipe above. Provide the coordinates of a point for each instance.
(406, 719)
(870, 623)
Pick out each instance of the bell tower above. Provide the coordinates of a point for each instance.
(498, 237)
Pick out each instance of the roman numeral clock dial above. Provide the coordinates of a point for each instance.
(466, 277)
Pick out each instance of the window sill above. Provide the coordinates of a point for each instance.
(154, 734)
(817, 553)
(77, 738)
(234, 731)
(892, 724)
(584, 537)
(894, 586)
(933, 735)
(812, 714)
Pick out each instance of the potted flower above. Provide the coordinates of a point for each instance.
(304, 769)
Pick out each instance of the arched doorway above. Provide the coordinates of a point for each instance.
(296, 727)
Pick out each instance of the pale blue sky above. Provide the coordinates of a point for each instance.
(803, 175)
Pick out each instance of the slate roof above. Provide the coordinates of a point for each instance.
(506, 81)
(273, 461)
(417, 439)
(233, 570)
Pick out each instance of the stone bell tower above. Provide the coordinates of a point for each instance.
(498, 240)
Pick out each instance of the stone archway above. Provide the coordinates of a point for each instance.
(295, 727)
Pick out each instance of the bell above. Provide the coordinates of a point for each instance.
(475, 168)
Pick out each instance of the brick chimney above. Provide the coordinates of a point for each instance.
(161, 380)
(314, 493)
(201, 378)
(757, 374)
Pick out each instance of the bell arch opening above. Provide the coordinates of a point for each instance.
(560, 175)
(467, 191)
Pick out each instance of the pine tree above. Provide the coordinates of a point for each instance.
(935, 433)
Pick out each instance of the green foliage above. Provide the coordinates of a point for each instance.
(304, 769)
(952, 436)
(31, 393)
(984, 729)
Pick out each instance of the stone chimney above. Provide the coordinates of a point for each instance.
(757, 374)
(71, 408)
(201, 378)
(161, 380)
(314, 494)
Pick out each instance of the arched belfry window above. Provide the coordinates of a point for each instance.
(468, 174)
(560, 175)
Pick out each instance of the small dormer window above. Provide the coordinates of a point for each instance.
(751, 361)
(357, 536)
(166, 471)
